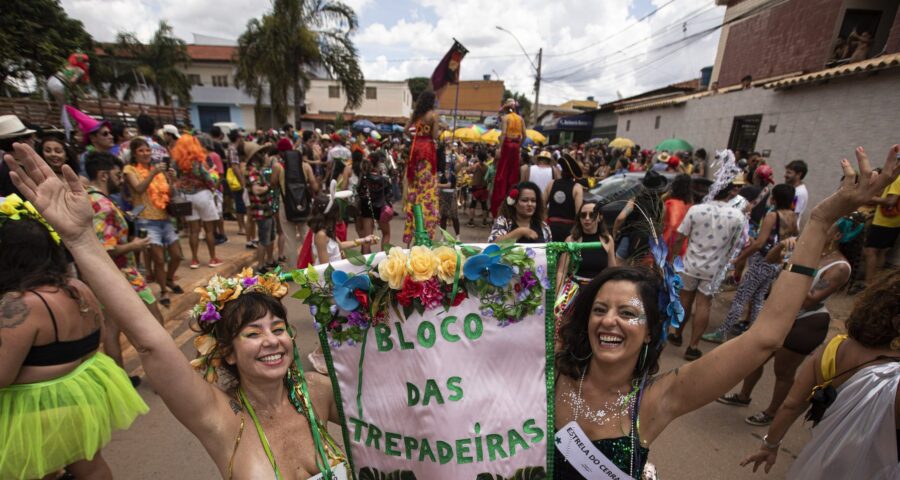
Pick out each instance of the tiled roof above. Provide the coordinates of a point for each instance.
(211, 53)
(871, 65)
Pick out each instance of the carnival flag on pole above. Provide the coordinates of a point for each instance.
(448, 70)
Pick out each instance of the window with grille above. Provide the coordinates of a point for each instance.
(334, 92)
(220, 80)
(195, 79)
(371, 93)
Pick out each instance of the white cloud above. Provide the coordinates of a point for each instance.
(629, 62)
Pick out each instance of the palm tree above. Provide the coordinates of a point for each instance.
(296, 37)
(157, 65)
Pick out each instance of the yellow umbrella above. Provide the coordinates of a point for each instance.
(620, 142)
(446, 135)
(536, 136)
(468, 134)
(491, 136)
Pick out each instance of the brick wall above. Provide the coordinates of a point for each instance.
(795, 36)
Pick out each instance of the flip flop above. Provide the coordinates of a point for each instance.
(165, 301)
(171, 285)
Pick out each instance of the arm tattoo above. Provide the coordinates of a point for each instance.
(13, 311)
(235, 407)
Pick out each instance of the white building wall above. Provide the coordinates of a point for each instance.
(393, 99)
(817, 123)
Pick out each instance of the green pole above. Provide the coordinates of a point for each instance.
(421, 235)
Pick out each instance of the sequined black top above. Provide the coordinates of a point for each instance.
(616, 449)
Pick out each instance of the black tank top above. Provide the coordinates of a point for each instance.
(562, 200)
(594, 260)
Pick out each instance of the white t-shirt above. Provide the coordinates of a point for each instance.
(801, 198)
(541, 176)
(712, 230)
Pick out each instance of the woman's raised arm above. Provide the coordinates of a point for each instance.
(67, 208)
(702, 381)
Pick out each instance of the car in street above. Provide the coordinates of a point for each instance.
(614, 191)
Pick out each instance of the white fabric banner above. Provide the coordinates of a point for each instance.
(446, 394)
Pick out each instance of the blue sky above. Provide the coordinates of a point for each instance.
(591, 47)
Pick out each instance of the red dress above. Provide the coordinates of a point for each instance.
(507, 175)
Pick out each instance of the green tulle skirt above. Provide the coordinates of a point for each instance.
(47, 425)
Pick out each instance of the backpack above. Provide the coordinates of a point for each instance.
(296, 191)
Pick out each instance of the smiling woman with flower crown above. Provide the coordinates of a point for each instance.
(269, 420)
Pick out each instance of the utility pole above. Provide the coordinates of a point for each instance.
(537, 85)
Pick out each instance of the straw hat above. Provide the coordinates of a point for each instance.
(12, 127)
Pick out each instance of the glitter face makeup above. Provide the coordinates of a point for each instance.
(641, 319)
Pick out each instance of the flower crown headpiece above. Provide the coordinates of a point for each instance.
(213, 297)
(14, 208)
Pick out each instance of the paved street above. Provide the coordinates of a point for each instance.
(706, 444)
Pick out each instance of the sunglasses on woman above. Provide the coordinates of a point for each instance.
(593, 215)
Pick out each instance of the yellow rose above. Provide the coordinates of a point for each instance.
(393, 268)
(422, 263)
(446, 258)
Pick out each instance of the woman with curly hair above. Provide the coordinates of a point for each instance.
(421, 169)
(270, 417)
(607, 393)
(858, 435)
(60, 397)
(197, 179)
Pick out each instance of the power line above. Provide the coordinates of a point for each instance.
(697, 36)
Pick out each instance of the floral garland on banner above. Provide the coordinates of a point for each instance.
(504, 277)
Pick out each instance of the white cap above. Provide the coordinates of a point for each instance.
(171, 129)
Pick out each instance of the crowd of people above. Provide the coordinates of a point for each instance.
(107, 209)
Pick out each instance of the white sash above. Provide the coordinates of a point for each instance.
(591, 463)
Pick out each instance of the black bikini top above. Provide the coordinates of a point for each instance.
(60, 352)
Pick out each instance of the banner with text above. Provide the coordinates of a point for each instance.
(439, 357)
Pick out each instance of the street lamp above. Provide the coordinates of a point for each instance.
(537, 69)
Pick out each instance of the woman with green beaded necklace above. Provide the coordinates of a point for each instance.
(609, 402)
(277, 410)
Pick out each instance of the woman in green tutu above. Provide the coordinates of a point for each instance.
(60, 398)
(267, 421)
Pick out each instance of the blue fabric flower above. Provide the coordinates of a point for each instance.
(345, 285)
(669, 298)
(487, 265)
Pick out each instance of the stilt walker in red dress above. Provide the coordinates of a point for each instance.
(512, 128)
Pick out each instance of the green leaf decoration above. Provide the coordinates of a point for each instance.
(312, 274)
(448, 236)
(302, 294)
(355, 258)
(470, 251)
(387, 248)
(328, 271)
(299, 277)
(370, 260)
(368, 473)
(407, 311)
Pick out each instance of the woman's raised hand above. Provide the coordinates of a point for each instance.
(857, 189)
(65, 205)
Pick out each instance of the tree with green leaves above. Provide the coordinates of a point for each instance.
(418, 85)
(36, 38)
(158, 65)
(277, 52)
(523, 101)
